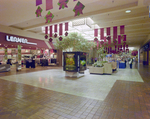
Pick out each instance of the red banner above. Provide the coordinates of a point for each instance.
(95, 32)
(60, 29)
(55, 28)
(102, 33)
(122, 29)
(49, 4)
(115, 32)
(124, 39)
(108, 31)
(66, 26)
(46, 30)
(51, 31)
(119, 39)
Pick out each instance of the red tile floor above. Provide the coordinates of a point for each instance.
(126, 100)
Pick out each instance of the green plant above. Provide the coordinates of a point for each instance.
(101, 53)
(74, 42)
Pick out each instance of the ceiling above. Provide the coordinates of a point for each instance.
(20, 14)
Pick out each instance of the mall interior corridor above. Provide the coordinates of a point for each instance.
(37, 94)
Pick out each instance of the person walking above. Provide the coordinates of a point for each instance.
(130, 63)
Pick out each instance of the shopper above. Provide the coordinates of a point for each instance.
(130, 63)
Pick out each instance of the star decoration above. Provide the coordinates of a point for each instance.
(50, 40)
(46, 36)
(49, 17)
(38, 11)
(66, 34)
(78, 9)
(60, 38)
(62, 4)
(55, 36)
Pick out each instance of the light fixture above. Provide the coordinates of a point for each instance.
(128, 11)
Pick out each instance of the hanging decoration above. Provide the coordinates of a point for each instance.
(122, 29)
(108, 38)
(66, 28)
(109, 41)
(38, 2)
(74, 0)
(105, 39)
(51, 33)
(49, 17)
(108, 31)
(78, 9)
(46, 32)
(38, 11)
(119, 39)
(49, 4)
(96, 35)
(114, 32)
(60, 31)
(124, 37)
(62, 4)
(102, 33)
(126, 46)
(55, 30)
(97, 44)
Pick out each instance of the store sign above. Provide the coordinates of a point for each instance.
(18, 40)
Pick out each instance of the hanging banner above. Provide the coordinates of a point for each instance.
(38, 2)
(124, 37)
(119, 39)
(46, 30)
(62, 4)
(126, 46)
(108, 31)
(122, 29)
(114, 32)
(60, 29)
(38, 12)
(55, 28)
(102, 33)
(78, 9)
(49, 17)
(95, 32)
(51, 31)
(49, 4)
(66, 28)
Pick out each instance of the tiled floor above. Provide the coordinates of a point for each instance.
(49, 95)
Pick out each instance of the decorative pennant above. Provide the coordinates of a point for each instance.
(124, 37)
(62, 4)
(119, 39)
(95, 32)
(108, 31)
(55, 30)
(49, 4)
(46, 32)
(122, 29)
(60, 31)
(126, 46)
(49, 17)
(102, 33)
(78, 9)
(51, 31)
(38, 11)
(38, 2)
(66, 28)
(115, 32)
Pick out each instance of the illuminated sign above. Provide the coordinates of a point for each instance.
(18, 40)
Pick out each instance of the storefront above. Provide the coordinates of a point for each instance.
(18, 49)
(145, 54)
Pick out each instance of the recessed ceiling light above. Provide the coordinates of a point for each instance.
(128, 11)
